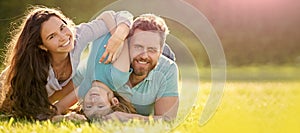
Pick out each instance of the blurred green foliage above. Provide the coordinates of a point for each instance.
(256, 38)
(11, 11)
(255, 32)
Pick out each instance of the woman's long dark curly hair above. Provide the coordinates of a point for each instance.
(24, 87)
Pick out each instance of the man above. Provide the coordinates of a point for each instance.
(153, 85)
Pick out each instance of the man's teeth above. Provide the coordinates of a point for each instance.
(142, 62)
(66, 43)
(94, 94)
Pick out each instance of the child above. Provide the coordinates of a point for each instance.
(98, 82)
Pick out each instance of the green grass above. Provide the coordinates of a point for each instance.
(256, 99)
(246, 107)
(252, 107)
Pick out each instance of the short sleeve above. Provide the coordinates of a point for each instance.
(169, 85)
(119, 78)
(110, 75)
(124, 17)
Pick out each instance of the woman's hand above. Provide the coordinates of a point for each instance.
(113, 47)
(121, 116)
(71, 116)
(119, 28)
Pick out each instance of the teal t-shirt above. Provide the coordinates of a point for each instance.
(162, 81)
(90, 69)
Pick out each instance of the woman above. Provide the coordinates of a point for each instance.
(42, 59)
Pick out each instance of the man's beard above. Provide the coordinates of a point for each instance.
(141, 71)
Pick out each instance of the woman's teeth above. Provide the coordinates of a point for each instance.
(66, 43)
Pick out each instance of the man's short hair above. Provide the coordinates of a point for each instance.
(150, 22)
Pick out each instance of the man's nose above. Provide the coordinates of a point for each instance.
(144, 54)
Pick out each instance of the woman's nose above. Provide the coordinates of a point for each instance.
(63, 37)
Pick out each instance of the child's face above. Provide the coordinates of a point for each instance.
(97, 101)
(57, 37)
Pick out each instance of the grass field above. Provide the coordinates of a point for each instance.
(253, 107)
(247, 106)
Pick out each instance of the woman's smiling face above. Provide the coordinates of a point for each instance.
(57, 37)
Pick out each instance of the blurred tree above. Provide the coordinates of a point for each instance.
(12, 10)
(251, 31)
(255, 31)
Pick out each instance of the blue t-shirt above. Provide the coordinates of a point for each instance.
(90, 69)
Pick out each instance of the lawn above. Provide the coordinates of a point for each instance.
(246, 107)
(268, 107)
